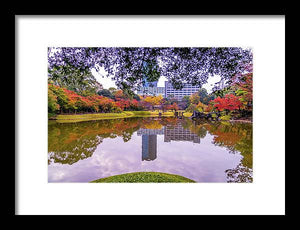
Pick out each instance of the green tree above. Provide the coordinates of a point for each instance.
(191, 108)
(112, 90)
(205, 98)
(186, 101)
(62, 98)
(136, 97)
(53, 105)
(106, 93)
(77, 80)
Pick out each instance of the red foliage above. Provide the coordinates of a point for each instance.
(119, 94)
(74, 102)
(230, 102)
(174, 106)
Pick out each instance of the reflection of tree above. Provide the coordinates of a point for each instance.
(171, 121)
(195, 127)
(240, 174)
(126, 136)
(244, 146)
(199, 130)
(153, 124)
(75, 151)
(71, 142)
(236, 137)
(68, 143)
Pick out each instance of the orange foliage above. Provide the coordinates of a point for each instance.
(72, 102)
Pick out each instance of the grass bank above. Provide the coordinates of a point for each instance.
(66, 118)
(144, 177)
(70, 118)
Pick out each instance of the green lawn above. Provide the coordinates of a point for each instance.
(187, 114)
(144, 177)
(102, 116)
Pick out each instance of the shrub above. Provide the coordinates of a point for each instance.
(225, 118)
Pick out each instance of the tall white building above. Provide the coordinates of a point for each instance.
(187, 90)
(151, 91)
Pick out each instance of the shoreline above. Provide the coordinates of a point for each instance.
(245, 121)
(72, 118)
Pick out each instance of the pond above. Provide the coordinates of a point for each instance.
(201, 151)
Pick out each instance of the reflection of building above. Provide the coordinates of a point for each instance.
(149, 142)
(178, 133)
(170, 132)
(150, 132)
(187, 90)
(149, 147)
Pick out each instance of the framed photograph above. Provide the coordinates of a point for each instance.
(174, 112)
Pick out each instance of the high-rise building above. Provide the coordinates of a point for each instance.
(187, 90)
(149, 84)
(151, 91)
(150, 88)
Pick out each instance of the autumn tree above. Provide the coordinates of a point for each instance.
(53, 105)
(201, 107)
(229, 103)
(174, 107)
(61, 97)
(244, 89)
(195, 98)
(153, 100)
(191, 108)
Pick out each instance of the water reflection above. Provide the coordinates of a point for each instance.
(72, 143)
(68, 143)
(149, 147)
(171, 132)
(179, 133)
(237, 138)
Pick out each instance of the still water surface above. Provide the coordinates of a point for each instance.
(201, 151)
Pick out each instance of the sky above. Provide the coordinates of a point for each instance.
(107, 82)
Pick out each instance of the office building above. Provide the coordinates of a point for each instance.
(187, 90)
(151, 91)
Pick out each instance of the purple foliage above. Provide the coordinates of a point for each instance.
(189, 64)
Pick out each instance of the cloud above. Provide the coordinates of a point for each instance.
(202, 162)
